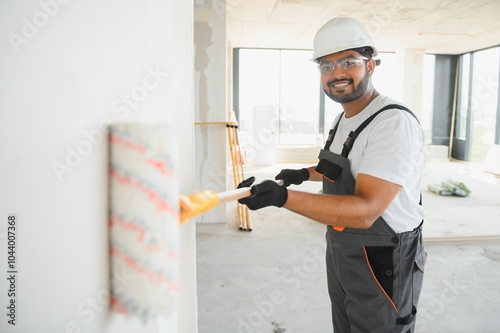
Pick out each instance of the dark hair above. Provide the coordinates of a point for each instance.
(366, 51)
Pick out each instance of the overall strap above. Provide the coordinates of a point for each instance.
(331, 134)
(354, 134)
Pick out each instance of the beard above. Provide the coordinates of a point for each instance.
(356, 92)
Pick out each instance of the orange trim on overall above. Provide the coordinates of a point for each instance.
(339, 229)
(375, 278)
(322, 175)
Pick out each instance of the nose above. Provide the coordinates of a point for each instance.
(335, 76)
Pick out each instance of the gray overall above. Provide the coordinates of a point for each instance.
(374, 275)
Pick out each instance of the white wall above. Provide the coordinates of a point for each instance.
(70, 69)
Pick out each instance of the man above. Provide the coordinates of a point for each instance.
(371, 169)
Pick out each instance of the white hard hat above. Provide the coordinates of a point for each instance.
(340, 34)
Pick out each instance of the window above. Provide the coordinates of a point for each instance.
(477, 115)
(278, 90)
(280, 100)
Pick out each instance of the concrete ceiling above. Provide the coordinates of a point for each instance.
(439, 27)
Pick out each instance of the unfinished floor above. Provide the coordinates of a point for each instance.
(273, 279)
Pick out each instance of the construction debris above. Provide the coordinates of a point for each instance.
(450, 187)
(439, 190)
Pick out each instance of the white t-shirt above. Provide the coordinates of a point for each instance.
(391, 148)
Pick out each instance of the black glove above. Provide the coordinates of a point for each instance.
(267, 193)
(291, 176)
(247, 182)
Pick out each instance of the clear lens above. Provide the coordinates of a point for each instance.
(326, 68)
(344, 63)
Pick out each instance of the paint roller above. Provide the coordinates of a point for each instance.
(201, 202)
(144, 220)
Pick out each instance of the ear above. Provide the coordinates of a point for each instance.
(370, 66)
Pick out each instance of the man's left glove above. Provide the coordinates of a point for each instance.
(247, 182)
(267, 193)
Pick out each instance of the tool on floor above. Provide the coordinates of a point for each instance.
(143, 220)
(201, 202)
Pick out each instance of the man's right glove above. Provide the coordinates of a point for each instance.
(291, 176)
(267, 193)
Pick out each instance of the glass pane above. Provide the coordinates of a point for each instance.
(428, 96)
(299, 107)
(462, 104)
(484, 102)
(259, 74)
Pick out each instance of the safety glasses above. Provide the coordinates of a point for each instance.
(345, 64)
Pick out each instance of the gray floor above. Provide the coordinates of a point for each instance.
(273, 278)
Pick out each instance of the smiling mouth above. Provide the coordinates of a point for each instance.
(339, 84)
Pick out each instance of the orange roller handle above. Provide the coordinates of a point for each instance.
(201, 202)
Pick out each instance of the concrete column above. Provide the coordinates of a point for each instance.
(210, 100)
(413, 72)
(183, 117)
